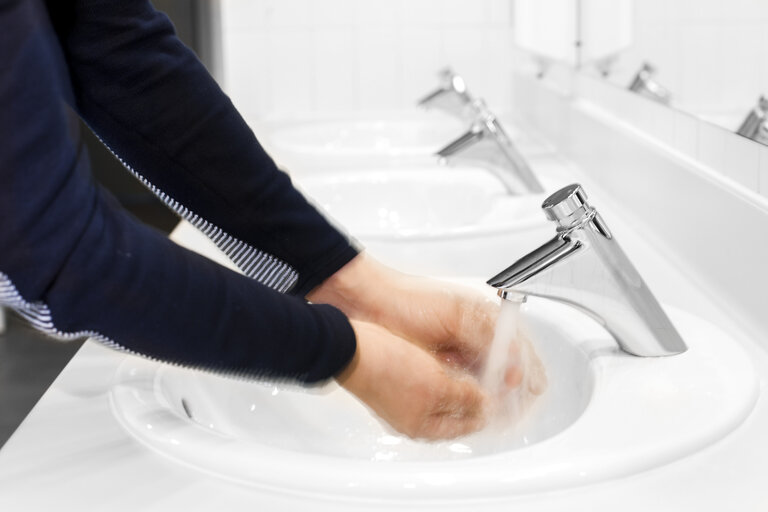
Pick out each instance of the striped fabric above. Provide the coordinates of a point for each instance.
(256, 264)
(39, 316)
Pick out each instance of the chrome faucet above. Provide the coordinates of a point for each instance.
(452, 95)
(646, 85)
(755, 126)
(487, 142)
(584, 266)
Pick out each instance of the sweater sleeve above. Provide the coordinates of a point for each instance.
(74, 264)
(156, 107)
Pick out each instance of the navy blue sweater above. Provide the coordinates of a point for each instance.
(74, 263)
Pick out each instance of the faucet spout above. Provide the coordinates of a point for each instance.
(534, 263)
(486, 142)
(755, 126)
(451, 96)
(585, 267)
(646, 85)
(433, 96)
(473, 135)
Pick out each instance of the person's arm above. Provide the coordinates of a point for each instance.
(74, 264)
(452, 323)
(156, 106)
(101, 273)
(153, 103)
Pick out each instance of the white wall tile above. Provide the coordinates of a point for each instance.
(499, 12)
(494, 81)
(380, 78)
(419, 12)
(335, 12)
(287, 13)
(763, 70)
(463, 49)
(291, 72)
(247, 61)
(336, 69)
(241, 14)
(421, 47)
(377, 12)
(460, 12)
(362, 54)
(709, 52)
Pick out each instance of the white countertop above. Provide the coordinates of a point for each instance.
(70, 453)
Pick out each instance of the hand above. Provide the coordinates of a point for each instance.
(453, 323)
(409, 389)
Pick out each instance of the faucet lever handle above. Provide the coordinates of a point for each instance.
(762, 104)
(567, 206)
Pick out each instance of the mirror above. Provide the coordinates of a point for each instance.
(708, 58)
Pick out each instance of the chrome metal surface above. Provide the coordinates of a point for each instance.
(487, 143)
(584, 266)
(451, 96)
(755, 126)
(646, 85)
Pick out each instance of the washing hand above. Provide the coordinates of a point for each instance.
(454, 324)
(409, 389)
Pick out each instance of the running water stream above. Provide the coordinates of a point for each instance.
(504, 337)
(512, 376)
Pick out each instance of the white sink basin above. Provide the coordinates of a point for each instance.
(605, 415)
(431, 219)
(406, 135)
(412, 202)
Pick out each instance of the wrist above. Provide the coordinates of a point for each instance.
(358, 376)
(355, 288)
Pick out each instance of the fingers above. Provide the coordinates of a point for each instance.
(514, 376)
(453, 322)
(525, 368)
(461, 398)
(537, 382)
(459, 330)
(459, 409)
(440, 427)
(408, 389)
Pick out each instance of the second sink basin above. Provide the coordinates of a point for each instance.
(431, 219)
(419, 202)
(372, 137)
(377, 137)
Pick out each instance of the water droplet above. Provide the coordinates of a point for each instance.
(460, 448)
(390, 440)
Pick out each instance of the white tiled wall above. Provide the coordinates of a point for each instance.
(712, 54)
(742, 160)
(286, 57)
